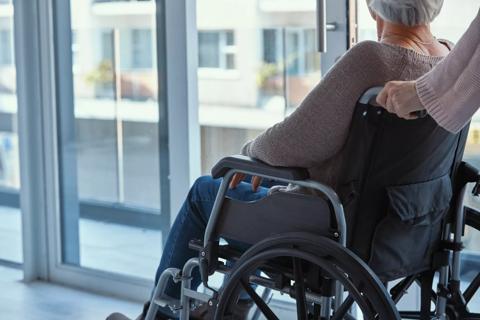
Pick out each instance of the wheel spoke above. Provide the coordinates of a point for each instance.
(267, 312)
(299, 289)
(472, 288)
(343, 309)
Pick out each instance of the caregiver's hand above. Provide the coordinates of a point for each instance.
(400, 97)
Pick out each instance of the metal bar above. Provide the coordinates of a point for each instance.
(118, 116)
(343, 309)
(441, 304)
(11, 264)
(472, 289)
(186, 285)
(299, 289)
(321, 26)
(285, 71)
(155, 301)
(326, 308)
(163, 120)
(212, 222)
(266, 296)
(264, 308)
(328, 192)
(457, 236)
(195, 295)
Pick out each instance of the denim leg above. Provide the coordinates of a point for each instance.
(191, 223)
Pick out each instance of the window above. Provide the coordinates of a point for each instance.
(5, 47)
(299, 46)
(237, 106)
(74, 49)
(216, 49)
(141, 48)
(10, 212)
(114, 191)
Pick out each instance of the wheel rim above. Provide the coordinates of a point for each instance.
(362, 291)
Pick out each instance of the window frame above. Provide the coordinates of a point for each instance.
(44, 79)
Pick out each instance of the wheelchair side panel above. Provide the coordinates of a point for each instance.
(280, 212)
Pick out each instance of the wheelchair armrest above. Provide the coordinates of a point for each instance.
(253, 166)
(469, 172)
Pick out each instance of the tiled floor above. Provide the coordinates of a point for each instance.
(44, 301)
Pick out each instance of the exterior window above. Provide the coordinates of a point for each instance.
(312, 58)
(5, 47)
(271, 51)
(74, 48)
(107, 45)
(141, 49)
(301, 56)
(216, 49)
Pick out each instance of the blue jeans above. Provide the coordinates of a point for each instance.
(191, 223)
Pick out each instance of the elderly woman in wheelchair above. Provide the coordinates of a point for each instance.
(370, 199)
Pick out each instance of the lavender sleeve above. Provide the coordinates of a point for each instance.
(451, 91)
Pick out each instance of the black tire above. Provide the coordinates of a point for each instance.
(362, 285)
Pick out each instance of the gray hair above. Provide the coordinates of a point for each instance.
(407, 12)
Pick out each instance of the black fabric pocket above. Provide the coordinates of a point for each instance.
(405, 239)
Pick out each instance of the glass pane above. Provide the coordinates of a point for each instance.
(10, 215)
(261, 64)
(114, 199)
(209, 49)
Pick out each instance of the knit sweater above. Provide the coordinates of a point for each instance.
(451, 91)
(313, 136)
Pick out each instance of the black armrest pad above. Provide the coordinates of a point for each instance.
(243, 163)
(469, 172)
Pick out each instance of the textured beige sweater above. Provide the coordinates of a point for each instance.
(313, 135)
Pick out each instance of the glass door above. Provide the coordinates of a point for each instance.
(255, 68)
(113, 154)
(11, 251)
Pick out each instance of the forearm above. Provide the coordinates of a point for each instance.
(451, 91)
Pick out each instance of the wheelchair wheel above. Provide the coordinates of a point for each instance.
(304, 266)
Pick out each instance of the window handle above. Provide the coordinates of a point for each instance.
(323, 26)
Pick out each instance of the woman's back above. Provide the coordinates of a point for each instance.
(313, 136)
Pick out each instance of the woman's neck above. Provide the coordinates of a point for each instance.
(417, 38)
(419, 33)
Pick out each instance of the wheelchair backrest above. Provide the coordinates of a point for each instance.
(396, 186)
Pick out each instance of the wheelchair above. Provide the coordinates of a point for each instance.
(395, 220)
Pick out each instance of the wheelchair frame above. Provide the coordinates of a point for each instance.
(184, 276)
(447, 299)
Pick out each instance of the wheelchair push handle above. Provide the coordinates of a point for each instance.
(370, 96)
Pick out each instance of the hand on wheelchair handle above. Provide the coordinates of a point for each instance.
(239, 177)
(400, 98)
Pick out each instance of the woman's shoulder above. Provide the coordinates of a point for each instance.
(372, 49)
